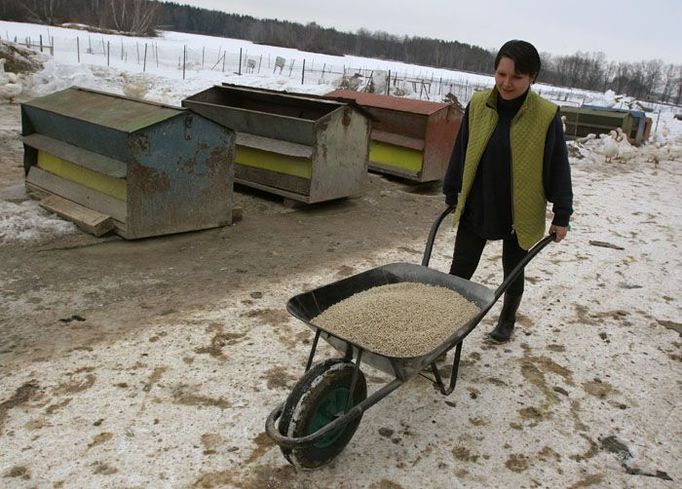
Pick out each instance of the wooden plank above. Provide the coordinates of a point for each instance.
(274, 145)
(283, 193)
(82, 157)
(88, 220)
(605, 244)
(272, 179)
(393, 170)
(80, 194)
(398, 140)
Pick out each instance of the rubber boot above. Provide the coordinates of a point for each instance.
(505, 324)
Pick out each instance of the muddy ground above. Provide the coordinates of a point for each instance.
(154, 363)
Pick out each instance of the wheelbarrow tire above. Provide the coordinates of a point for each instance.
(322, 391)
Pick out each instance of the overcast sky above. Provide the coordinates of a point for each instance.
(625, 30)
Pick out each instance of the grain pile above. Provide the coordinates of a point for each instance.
(398, 320)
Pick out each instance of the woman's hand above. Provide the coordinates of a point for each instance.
(559, 232)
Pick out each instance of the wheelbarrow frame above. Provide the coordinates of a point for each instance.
(402, 368)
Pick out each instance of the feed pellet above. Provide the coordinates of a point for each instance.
(404, 319)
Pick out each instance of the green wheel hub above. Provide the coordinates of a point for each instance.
(329, 408)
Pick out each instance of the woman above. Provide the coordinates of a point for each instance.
(509, 159)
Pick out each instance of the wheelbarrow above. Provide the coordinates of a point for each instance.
(322, 412)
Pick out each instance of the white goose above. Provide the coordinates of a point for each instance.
(134, 88)
(10, 91)
(10, 86)
(610, 147)
(6, 76)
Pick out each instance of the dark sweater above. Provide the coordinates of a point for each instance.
(489, 206)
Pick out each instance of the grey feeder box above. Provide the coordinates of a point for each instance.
(303, 148)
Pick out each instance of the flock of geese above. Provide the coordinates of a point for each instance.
(11, 85)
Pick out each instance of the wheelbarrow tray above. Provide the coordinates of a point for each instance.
(308, 305)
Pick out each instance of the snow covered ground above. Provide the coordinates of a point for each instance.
(587, 394)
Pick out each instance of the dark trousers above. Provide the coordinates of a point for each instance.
(467, 254)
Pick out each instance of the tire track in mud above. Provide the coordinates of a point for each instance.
(22, 396)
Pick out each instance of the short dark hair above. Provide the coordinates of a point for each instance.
(524, 55)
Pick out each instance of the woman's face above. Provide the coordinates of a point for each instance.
(510, 84)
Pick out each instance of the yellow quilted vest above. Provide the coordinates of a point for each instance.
(527, 139)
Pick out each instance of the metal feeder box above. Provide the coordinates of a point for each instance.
(412, 139)
(303, 148)
(108, 162)
(581, 121)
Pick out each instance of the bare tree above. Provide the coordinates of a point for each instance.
(669, 82)
(42, 11)
(134, 16)
(653, 75)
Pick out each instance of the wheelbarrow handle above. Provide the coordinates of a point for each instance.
(432, 236)
(532, 253)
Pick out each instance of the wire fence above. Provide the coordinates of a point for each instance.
(176, 60)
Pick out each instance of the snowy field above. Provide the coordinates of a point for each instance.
(164, 394)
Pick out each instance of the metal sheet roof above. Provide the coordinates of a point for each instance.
(387, 102)
(105, 109)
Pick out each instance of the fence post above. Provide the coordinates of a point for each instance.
(144, 64)
(78, 48)
(108, 52)
(303, 72)
(658, 116)
(240, 62)
(259, 62)
(388, 83)
(184, 58)
(41, 43)
(203, 56)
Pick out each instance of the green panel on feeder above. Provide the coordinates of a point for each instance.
(396, 156)
(277, 162)
(114, 187)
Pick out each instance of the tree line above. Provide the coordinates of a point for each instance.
(134, 17)
(652, 79)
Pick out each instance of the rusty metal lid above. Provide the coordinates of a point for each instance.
(387, 102)
(105, 109)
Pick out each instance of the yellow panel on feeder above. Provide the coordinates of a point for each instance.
(398, 156)
(114, 187)
(289, 165)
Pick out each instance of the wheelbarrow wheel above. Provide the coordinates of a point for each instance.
(315, 401)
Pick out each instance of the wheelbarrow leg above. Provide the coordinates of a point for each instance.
(453, 373)
(354, 381)
(312, 349)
